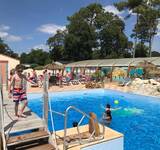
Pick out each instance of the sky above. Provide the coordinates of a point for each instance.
(27, 24)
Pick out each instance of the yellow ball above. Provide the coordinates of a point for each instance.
(116, 102)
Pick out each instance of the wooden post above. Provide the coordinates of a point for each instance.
(45, 98)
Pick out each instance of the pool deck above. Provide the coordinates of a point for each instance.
(12, 124)
(108, 135)
(109, 85)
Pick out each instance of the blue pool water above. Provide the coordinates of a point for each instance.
(137, 117)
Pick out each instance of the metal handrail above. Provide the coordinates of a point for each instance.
(65, 115)
(2, 117)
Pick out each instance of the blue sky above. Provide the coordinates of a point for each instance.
(26, 24)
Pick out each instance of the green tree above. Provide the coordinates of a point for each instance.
(36, 56)
(24, 58)
(146, 29)
(56, 45)
(148, 12)
(141, 50)
(82, 38)
(92, 28)
(113, 41)
(132, 6)
(155, 54)
(91, 33)
(4, 49)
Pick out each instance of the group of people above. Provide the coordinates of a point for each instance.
(33, 77)
(64, 78)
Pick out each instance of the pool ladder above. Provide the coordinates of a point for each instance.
(80, 140)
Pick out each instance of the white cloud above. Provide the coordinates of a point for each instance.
(13, 38)
(9, 37)
(5, 35)
(4, 27)
(41, 46)
(113, 9)
(50, 28)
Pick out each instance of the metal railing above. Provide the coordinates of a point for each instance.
(2, 117)
(80, 140)
(48, 108)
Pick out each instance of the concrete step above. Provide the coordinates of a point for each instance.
(15, 140)
(43, 147)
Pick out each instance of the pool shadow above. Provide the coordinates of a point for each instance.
(28, 113)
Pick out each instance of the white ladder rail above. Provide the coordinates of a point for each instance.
(65, 115)
(2, 116)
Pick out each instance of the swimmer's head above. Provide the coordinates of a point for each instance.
(108, 106)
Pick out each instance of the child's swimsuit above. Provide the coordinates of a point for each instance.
(19, 94)
(108, 114)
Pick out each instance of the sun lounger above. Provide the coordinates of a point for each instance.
(82, 80)
(74, 82)
(35, 85)
(65, 82)
(125, 82)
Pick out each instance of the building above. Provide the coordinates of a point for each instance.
(108, 65)
(6, 64)
(122, 62)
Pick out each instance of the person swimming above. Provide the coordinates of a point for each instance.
(108, 115)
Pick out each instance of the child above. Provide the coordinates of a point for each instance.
(18, 90)
(108, 112)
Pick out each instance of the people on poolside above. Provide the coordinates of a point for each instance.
(68, 77)
(40, 79)
(34, 76)
(108, 115)
(17, 90)
(59, 76)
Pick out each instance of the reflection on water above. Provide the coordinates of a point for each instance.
(123, 112)
(127, 111)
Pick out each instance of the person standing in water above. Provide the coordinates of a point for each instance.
(17, 90)
(108, 113)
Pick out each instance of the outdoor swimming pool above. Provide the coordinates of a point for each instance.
(137, 117)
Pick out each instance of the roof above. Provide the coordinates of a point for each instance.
(54, 66)
(9, 57)
(123, 62)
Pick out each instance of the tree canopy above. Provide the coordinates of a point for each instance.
(91, 33)
(56, 45)
(141, 50)
(148, 13)
(36, 56)
(5, 49)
